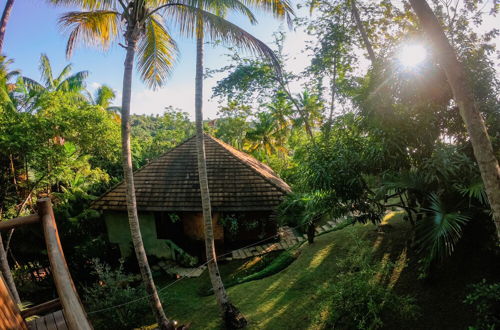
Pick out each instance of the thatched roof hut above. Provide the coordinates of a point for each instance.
(242, 189)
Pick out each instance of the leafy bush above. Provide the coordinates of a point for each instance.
(485, 298)
(114, 288)
(359, 298)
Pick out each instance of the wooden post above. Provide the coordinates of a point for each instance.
(75, 315)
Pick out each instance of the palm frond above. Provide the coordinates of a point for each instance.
(221, 7)
(12, 74)
(74, 83)
(94, 28)
(474, 191)
(156, 53)
(63, 75)
(440, 232)
(46, 71)
(104, 96)
(217, 28)
(32, 85)
(86, 4)
(279, 8)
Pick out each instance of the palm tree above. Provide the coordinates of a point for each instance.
(265, 135)
(145, 34)
(4, 20)
(217, 27)
(463, 95)
(65, 81)
(103, 97)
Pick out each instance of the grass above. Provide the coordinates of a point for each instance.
(294, 298)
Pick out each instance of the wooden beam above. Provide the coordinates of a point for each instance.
(21, 221)
(75, 315)
(42, 308)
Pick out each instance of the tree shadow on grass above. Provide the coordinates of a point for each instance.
(298, 297)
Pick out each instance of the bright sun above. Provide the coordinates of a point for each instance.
(412, 55)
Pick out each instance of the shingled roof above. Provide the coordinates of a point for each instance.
(237, 182)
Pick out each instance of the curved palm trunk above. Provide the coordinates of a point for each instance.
(462, 93)
(232, 317)
(7, 275)
(133, 217)
(4, 21)
(362, 31)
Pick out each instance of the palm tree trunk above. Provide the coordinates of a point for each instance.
(362, 31)
(463, 95)
(4, 21)
(133, 217)
(4, 266)
(232, 317)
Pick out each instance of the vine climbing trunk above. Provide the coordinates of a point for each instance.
(464, 97)
(132, 35)
(232, 317)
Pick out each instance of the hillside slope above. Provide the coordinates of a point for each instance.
(296, 298)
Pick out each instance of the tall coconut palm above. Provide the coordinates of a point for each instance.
(463, 95)
(145, 34)
(232, 317)
(99, 23)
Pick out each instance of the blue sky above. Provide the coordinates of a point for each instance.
(33, 30)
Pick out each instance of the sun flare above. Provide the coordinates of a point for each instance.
(412, 55)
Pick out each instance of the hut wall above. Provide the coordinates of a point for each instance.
(119, 233)
(194, 227)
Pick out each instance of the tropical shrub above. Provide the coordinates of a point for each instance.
(485, 299)
(115, 288)
(358, 296)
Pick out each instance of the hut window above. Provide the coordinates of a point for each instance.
(168, 225)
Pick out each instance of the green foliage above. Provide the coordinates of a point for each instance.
(154, 135)
(230, 222)
(439, 232)
(174, 217)
(112, 288)
(485, 299)
(359, 298)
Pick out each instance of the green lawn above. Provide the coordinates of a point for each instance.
(295, 298)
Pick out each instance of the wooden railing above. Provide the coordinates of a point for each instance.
(75, 315)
